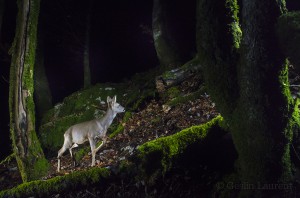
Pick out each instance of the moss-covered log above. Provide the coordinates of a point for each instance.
(59, 185)
(29, 154)
(153, 160)
(176, 76)
(156, 157)
(248, 78)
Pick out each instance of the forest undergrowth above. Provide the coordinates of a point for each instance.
(157, 117)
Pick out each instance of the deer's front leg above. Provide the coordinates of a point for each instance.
(93, 150)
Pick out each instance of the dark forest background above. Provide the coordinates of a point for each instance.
(121, 44)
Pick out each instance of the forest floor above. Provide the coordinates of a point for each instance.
(153, 120)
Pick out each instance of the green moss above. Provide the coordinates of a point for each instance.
(156, 157)
(292, 117)
(58, 184)
(218, 44)
(233, 10)
(85, 105)
(288, 33)
(173, 92)
(189, 97)
(29, 162)
(120, 126)
(51, 134)
(8, 159)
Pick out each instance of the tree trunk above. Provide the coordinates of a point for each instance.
(42, 93)
(86, 53)
(268, 112)
(251, 89)
(29, 154)
(2, 4)
(165, 46)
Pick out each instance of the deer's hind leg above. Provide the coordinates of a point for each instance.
(71, 153)
(67, 144)
(60, 153)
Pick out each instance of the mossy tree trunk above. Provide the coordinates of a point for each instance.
(247, 76)
(288, 31)
(29, 154)
(165, 46)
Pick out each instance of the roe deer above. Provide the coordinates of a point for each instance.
(80, 133)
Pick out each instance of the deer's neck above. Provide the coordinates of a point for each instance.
(107, 119)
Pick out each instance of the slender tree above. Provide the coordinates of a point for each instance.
(247, 75)
(29, 154)
(86, 54)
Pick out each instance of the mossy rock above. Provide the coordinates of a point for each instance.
(79, 107)
(156, 157)
(86, 105)
(59, 184)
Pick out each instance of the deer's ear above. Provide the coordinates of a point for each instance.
(108, 99)
(115, 99)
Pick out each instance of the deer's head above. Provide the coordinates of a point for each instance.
(112, 104)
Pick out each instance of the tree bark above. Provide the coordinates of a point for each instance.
(42, 93)
(86, 53)
(29, 154)
(248, 80)
(165, 46)
(289, 38)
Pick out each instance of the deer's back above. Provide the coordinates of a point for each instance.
(80, 132)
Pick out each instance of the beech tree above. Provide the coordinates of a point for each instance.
(247, 75)
(174, 41)
(166, 48)
(28, 152)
